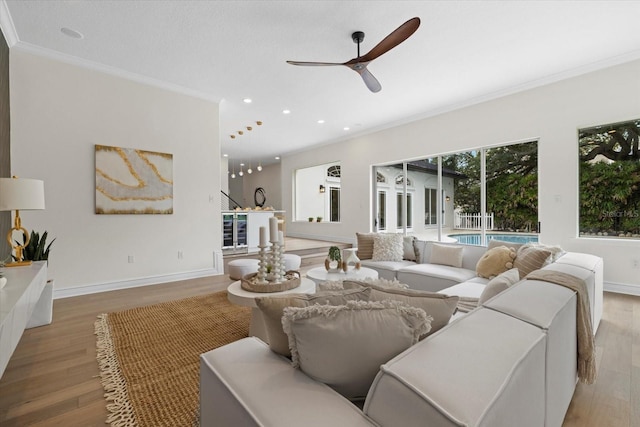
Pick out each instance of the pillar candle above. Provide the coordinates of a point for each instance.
(263, 237)
(273, 229)
(281, 238)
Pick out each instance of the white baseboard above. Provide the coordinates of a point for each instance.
(622, 288)
(133, 283)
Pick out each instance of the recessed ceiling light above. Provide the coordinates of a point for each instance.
(247, 100)
(277, 157)
(320, 121)
(225, 155)
(346, 128)
(71, 33)
(286, 111)
(241, 164)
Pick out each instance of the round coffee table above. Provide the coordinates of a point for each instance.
(320, 274)
(239, 296)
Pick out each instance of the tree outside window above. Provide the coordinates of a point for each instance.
(610, 180)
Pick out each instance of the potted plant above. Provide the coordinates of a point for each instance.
(37, 249)
(319, 219)
(310, 219)
(334, 256)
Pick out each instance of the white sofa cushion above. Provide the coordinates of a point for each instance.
(446, 255)
(498, 284)
(470, 289)
(246, 384)
(485, 369)
(433, 277)
(344, 346)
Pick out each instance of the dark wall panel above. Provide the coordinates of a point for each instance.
(5, 144)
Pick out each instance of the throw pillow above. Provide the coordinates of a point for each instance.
(493, 243)
(439, 306)
(495, 261)
(387, 247)
(409, 248)
(530, 258)
(446, 255)
(365, 245)
(344, 346)
(498, 284)
(272, 307)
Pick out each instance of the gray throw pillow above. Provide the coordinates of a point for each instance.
(498, 284)
(272, 308)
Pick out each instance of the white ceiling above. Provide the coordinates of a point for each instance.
(464, 52)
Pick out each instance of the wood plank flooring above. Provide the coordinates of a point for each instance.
(52, 378)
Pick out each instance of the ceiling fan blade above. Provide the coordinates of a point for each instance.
(314, 64)
(372, 83)
(400, 34)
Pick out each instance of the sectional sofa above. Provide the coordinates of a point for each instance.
(510, 361)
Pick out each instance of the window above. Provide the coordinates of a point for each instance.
(431, 206)
(400, 207)
(309, 201)
(610, 180)
(469, 192)
(382, 210)
(334, 204)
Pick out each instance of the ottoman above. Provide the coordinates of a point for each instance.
(238, 268)
(291, 262)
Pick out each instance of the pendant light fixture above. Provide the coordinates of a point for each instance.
(259, 168)
(241, 172)
(233, 174)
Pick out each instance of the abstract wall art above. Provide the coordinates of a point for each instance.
(130, 181)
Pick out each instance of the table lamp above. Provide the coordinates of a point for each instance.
(18, 194)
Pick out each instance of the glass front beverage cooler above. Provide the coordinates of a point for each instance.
(234, 232)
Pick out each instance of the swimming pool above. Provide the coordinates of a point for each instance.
(475, 238)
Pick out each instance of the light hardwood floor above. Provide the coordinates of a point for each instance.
(52, 378)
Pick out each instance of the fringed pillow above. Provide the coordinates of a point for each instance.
(344, 346)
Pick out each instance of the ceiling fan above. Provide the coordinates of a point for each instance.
(359, 64)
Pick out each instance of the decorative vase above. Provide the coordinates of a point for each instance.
(350, 258)
(330, 264)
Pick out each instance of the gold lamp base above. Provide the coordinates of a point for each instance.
(19, 262)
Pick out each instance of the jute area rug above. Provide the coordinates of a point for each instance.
(149, 357)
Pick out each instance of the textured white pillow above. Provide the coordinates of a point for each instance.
(344, 346)
(446, 255)
(387, 247)
(498, 284)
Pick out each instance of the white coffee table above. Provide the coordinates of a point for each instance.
(239, 296)
(320, 274)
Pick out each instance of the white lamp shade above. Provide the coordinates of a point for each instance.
(21, 194)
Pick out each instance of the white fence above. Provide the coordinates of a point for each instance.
(471, 221)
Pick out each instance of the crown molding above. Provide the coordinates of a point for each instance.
(106, 69)
(6, 23)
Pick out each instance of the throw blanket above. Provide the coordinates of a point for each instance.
(586, 341)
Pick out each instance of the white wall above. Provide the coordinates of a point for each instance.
(58, 113)
(269, 179)
(552, 114)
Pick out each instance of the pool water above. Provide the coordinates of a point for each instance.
(475, 238)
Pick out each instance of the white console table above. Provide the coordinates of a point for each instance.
(26, 301)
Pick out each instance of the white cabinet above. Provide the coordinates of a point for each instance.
(20, 297)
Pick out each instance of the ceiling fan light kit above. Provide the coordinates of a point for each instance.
(359, 63)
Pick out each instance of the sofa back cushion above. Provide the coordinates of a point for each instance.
(272, 308)
(470, 253)
(365, 245)
(344, 346)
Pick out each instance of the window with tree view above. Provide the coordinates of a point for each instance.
(610, 180)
